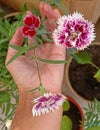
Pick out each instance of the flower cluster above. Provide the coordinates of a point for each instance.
(47, 102)
(31, 22)
(74, 31)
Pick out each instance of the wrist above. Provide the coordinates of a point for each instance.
(27, 94)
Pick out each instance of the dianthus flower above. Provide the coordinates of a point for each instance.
(74, 31)
(47, 102)
(31, 22)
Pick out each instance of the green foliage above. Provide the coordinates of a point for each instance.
(8, 89)
(66, 105)
(52, 61)
(97, 75)
(92, 115)
(66, 123)
(83, 57)
(94, 128)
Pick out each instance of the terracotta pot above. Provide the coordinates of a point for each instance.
(77, 109)
(68, 87)
(11, 15)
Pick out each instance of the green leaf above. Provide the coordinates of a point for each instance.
(4, 97)
(18, 48)
(4, 40)
(66, 123)
(66, 105)
(8, 105)
(7, 24)
(34, 90)
(61, 7)
(53, 61)
(43, 32)
(12, 28)
(24, 8)
(94, 128)
(22, 51)
(4, 31)
(97, 75)
(82, 57)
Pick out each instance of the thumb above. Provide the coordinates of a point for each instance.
(17, 40)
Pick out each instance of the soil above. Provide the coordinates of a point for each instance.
(81, 76)
(74, 114)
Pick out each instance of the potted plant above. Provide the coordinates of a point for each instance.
(72, 115)
(82, 74)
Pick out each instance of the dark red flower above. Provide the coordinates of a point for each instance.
(31, 22)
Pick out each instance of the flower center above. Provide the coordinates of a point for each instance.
(32, 26)
(73, 36)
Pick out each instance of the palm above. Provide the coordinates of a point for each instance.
(26, 75)
(24, 71)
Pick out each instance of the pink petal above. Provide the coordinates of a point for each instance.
(37, 23)
(31, 33)
(25, 30)
(28, 20)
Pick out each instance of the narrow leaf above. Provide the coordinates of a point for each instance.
(53, 61)
(7, 107)
(97, 75)
(82, 57)
(4, 40)
(7, 24)
(4, 31)
(18, 48)
(34, 90)
(22, 51)
(94, 128)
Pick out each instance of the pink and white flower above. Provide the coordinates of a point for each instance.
(31, 22)
(46, 103)
(74, 31)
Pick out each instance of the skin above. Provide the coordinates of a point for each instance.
(25, 75)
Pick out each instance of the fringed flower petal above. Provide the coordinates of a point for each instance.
(74, 31)
(47, 103)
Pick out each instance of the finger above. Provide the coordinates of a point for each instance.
(48, 11)
(57, 14)
(17, 40)
(41, 7)
(50, 17)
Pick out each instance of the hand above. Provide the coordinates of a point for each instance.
(26, 77)
(24, 71)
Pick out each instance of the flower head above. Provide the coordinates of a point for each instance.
(74, 31)
(31, 22)
(47, 102)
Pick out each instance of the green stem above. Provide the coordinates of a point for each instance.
(42, 89)
(94, 66)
